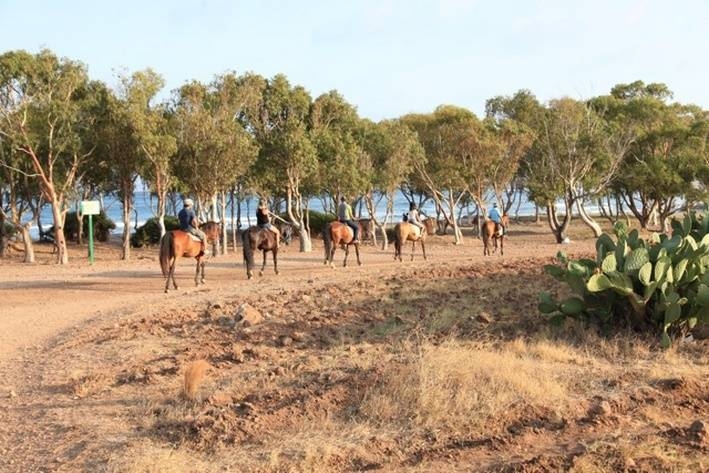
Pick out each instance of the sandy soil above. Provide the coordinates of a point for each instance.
(91, 359)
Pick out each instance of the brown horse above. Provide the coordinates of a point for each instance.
(493, 231)
(253, 239)
(336, 233)
(177, 243)
(405, 231)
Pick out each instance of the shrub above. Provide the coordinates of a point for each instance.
(149, 233)
(102, 226)
(660, 284)
(9, 230)
(318, 220)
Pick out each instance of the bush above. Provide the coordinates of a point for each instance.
(149, 233)
(661, 284)
(102, 226)
(9, 230)
(318, 220)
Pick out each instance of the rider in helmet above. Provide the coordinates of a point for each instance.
(344, 215)
(494, 215)
(190, 224)
(263, 220)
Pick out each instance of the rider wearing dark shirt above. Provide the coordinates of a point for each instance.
(188, 222)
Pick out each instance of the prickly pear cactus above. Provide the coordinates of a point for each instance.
(661, 283)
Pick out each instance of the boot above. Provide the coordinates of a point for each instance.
(201, 249)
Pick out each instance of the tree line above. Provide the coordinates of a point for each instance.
(65, 137)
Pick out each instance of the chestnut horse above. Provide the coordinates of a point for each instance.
(405, 231)
(494, 231)
(336, 233)
(253, 239)
(177, 243)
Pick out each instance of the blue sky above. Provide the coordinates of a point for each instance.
(387, 57)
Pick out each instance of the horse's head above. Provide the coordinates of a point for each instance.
(505, 219)
(287, 234)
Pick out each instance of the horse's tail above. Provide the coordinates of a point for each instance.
(248, 250)
(397, 240)
(327, 240)
(166, 253)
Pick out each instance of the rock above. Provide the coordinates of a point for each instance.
(602, 409)
(306, 298)
(701, 332)
(248, 315)
(285, 341)
(220, 399)
(216, 305)
(699, 429)
(556, 418)
(12, 394)
(297, 336)
(484, 317)
(630, 463)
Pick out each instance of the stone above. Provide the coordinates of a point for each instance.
(12, 394)
(285, 341)
(699, 429)
(484, 317)
(297, 336)
(602, 409)
(701, 331)
(248, 316)
(220, 399)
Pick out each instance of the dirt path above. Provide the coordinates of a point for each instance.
(41, 301)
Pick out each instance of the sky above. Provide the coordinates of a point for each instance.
(386, 57)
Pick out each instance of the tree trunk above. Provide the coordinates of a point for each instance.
(127, 208)
(59, 239)
(235, 218)
(306, 244)
(223, 221)
(27, 243)
(162, 196)
(3, 240)
(587, 219)
(80, 226)
(557, 228)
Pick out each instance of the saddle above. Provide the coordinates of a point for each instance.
(193, 237)
(416, 230)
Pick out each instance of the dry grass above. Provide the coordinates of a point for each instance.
(461, 388)
(194, 376)
(149, 458)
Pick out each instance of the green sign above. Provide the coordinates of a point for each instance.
(90, 207)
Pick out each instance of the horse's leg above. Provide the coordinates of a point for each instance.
(196, 272)
(359, 263)
(204, 263)
(171, 274)
(275, 259)
(502, 246)
(413, 247)
(332, 252)
(347, 253)
(260, 273)
(423, 249)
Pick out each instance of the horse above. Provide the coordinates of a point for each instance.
(286, 230)
(255, 238)
(404, 231)
(493, 231)
(366, 226)
(336, 233)
(177, 243)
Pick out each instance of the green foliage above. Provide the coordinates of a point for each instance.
(661, 284)
(9, 230)
(318, 220)
(149, 233)
(102, 226)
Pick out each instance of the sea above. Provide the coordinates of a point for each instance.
(146, 205)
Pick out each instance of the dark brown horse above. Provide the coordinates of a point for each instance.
(335, 234)
(176, 243)
(253, 239)
(494, 231)
(405, 231)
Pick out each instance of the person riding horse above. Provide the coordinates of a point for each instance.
(189, 223)
(494, 215)
(344, 215)
(414, 218)
(263, 220)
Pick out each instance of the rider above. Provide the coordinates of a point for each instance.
(494, 215)
(189, 223)
(263, 220)
(344, 215)
(413, 217)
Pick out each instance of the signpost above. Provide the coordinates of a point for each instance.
(90, 208)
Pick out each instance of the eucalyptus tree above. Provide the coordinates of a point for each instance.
(667, 151)
(287, 157)
(151, 132)
(342, 162)
(214, 149)
(393, 150)
(44, 116)
(453, 143)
